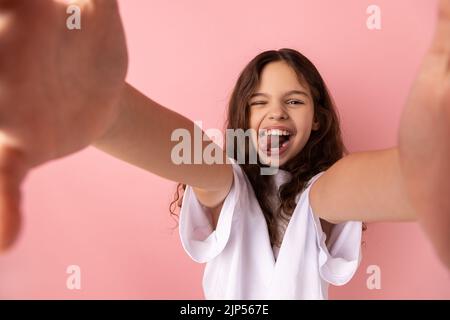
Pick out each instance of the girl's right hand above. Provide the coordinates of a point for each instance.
(59, 88)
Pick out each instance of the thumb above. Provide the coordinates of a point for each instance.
(441, 40)
(9, 4)
(12, 173)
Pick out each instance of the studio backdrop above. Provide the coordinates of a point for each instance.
(108, 222)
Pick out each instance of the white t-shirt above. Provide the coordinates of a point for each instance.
(240, 259)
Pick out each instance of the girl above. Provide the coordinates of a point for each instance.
(278, 92)
(281, 236)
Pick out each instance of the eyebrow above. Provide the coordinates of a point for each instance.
(286, 94)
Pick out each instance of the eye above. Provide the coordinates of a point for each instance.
(257, 103)
(294, 102)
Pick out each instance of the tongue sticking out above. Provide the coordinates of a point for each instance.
(269, 142)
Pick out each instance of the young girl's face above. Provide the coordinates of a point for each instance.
(284, 107)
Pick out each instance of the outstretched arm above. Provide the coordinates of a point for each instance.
(141, 135)
(411, 182)
(62, 90)
(424, 140)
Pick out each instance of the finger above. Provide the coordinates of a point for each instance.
(11, 176)
(5, 15)
(11, 4)
(441, 40)
(10, 10)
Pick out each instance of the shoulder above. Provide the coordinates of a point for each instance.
(314, 187)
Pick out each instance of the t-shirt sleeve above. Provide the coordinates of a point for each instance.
(198, 238)
(339, 260)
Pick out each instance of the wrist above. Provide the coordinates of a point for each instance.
(116, 117)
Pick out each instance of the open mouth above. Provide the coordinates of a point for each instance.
(275, 141)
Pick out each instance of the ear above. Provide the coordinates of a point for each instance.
(316, 125)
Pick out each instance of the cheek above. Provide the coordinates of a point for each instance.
(301, 139)
(303, 132)
(303, 121)
(253, 125)
(253, 121)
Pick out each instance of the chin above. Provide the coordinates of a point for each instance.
(268, 160)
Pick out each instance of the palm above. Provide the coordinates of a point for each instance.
(59, 81)
(424, 132)
(58, 87)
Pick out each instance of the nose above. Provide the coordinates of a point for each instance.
(278, 113)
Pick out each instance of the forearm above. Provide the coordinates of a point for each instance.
(425, 162)
(141, 135)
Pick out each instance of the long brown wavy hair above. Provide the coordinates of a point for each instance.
(323, 149)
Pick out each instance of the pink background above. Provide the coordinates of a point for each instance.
(112, 219)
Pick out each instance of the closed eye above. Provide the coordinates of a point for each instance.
(258, 102)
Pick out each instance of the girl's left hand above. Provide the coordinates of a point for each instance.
(424, 139)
